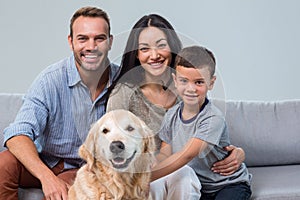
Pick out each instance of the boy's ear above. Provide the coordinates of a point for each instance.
(212, 82)
(174, 79)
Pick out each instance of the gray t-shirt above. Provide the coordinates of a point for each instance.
(210, 126)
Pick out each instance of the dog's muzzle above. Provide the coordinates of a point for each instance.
(119, 162)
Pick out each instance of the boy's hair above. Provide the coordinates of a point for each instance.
(89, 12)
(196, 57)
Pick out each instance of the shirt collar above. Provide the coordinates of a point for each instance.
(74, 77)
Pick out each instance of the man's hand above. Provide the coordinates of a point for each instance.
(231, 163)
(54, 188)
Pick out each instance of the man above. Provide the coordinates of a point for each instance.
(62, 103)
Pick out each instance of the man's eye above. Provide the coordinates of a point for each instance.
(100, 39)
(81, 39)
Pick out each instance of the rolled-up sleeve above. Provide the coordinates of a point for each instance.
(31, 119)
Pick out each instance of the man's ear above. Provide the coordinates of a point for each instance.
(70, 41)
(212, 82)
(111, 39)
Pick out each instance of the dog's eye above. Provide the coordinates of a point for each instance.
(129, 128)
(105, 130)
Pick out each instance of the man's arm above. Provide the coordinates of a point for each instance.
(231, 163)
(23, 148)
(177, 160)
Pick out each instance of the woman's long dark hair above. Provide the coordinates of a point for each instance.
(130, 61)
(129, 58)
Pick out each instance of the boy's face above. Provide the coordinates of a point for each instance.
(192, 84)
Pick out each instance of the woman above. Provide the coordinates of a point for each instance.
(145, 88)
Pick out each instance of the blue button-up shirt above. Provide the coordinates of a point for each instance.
(57, 113)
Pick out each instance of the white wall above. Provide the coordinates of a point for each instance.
(256, 42)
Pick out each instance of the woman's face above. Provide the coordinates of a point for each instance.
(154, 52)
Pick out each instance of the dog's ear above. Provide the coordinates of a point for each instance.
(87, 156)
(149, 139)
(87, 149)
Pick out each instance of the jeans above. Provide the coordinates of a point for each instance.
(238, 191)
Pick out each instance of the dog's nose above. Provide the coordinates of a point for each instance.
(117, 147)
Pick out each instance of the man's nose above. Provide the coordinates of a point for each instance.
(91, 45)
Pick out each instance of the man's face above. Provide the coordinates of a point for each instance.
(90, 42)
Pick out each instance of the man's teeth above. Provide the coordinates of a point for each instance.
(90, 56)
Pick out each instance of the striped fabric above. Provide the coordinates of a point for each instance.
(57, 113)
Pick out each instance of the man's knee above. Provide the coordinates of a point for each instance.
(7, 161)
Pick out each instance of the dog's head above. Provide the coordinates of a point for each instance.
(120, 140)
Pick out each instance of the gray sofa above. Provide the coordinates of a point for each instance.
(269, 132)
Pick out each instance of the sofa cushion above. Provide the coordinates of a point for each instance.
(30, 194)
(9, 106)
(275, 183)
(269, 132)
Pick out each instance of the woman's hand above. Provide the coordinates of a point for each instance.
(231, 163)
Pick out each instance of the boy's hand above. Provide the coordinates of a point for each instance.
(231, 163)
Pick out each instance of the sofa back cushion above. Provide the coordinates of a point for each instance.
(269, 132)
(9, 107)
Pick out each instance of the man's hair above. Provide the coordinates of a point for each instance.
(89, 12)
(196, 57)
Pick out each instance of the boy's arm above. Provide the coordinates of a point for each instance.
(164, 152)
(177, 160)
(231, 163)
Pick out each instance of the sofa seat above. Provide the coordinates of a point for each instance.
(30, 194)
(275, 182)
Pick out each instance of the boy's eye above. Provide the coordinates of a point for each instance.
(199, 82)
(182, 80)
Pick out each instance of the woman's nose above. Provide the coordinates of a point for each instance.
(154, 53)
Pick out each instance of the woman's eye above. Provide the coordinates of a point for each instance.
(162, 46)
(144, 49)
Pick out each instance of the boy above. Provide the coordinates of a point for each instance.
(194, 131)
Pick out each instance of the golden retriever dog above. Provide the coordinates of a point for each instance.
(119, 152)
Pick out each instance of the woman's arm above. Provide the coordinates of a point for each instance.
(177, 160)
(231, 163)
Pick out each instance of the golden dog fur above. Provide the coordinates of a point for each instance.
(119, 151)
